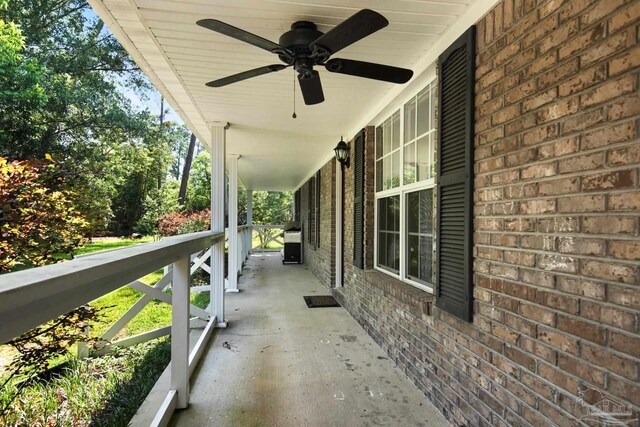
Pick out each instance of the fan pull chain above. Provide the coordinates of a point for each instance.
(294, 95)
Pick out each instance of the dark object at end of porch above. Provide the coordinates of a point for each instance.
(319, 301)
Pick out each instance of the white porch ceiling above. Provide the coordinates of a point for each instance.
(278, 152)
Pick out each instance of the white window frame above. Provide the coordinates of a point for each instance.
(402, 191)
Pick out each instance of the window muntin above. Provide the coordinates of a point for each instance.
(405, 171)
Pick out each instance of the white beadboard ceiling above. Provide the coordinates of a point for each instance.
(279, 152)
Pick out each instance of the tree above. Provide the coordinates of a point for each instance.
(270, 208)
(83, 74)
(20, 88)
(187, 169)
(38, 218)
(198, 195)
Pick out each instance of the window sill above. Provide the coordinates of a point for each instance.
(419, 302)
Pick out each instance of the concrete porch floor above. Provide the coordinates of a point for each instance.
(280, 363)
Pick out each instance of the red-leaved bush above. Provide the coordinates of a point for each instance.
(175, 223)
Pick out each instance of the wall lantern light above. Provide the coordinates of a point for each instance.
(342, 153)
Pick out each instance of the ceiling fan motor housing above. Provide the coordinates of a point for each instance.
(297, 40)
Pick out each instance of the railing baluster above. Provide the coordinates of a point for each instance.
(180, 331)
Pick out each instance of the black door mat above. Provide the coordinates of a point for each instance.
(319, 301)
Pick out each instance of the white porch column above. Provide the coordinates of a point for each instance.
(180, 332)
(218, 142)
(249, 221)
(234, 247)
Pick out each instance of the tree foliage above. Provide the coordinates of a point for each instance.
(38, 217)
(272, 207)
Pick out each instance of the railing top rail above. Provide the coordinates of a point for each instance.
(31, 297)
(267, 226)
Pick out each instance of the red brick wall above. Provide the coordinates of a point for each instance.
(557, 201)
(321, 259)
(557, 216)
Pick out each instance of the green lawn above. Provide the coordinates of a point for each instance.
(108, 244)
(272, 245)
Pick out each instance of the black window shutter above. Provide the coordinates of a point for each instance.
(296, 206)
(358, 201)
(454, 279)
(318, 185)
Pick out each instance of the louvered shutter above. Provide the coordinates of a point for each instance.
(456, 68)
(358, 201)
(296, 205)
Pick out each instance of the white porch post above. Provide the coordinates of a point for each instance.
(218, 142)
(234, 247)
(249, 221)
(180, 332)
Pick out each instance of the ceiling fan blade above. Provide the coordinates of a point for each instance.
(246, 75)
(242, 35)
(358, 26)
(369, 70)
(311, 88)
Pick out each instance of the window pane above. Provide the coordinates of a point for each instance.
(424, 112)
(395, 169)
(388, 235)
(419, 250)
(413, 211)
(386, 137)
(413, 256)
(393, 220)
(379, 138)
(409, 171)
(396, 130)
(426, 211)
(379, 173)
(423, 156)
(395, 252)
(382, 214)
(426, 261)
(434, 106)
(386, 177)
(382, 248)
(410, 120)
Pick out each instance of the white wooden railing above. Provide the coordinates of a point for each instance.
(267, 238)
(31, 297)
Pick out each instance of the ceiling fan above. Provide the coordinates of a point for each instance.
(304, 46)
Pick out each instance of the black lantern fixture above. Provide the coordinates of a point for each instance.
(342, 153)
